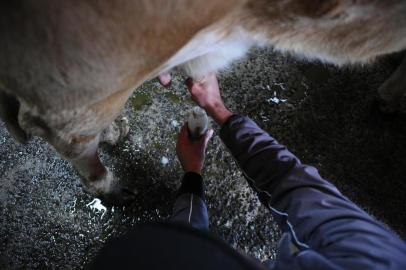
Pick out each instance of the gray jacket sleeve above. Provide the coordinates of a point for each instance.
(190, 204)
(324, 226)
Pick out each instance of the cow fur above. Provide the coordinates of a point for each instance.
(68, 67)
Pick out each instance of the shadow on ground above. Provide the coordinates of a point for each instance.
(328, 117)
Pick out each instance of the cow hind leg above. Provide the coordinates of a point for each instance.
(116, 131)
(82, 152)
(95, 177)
(9, 108)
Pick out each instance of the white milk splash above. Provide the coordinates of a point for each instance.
(275, 99)
(97, 206)
(164, 161)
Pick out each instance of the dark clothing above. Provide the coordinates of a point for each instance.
(190, 205)
(328, 230)
(171, 246)
(322, 229)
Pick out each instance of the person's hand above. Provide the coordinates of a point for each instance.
(191, 154)
(206, 94)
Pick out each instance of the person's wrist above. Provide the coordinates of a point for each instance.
(194, 169)
(219, 113)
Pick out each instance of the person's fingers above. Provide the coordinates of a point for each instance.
(206, 78)
(193, 86)
(203, 141)
(208, 136)
(183, 134)
(190, 83)
(210, 77)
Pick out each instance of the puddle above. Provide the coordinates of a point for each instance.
(172, 97)
(139, 99)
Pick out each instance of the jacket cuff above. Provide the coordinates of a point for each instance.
(231, 122)
(192, 183)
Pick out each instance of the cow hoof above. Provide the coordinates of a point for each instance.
(393, 107)
(393, 91)
(388, 107)
(392, 95)
(110, 190)
(392, 101)
(402, 106)
(117, 131)
(120, 196)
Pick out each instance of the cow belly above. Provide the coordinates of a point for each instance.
(210, 51)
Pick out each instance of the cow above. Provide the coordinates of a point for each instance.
(68, 67)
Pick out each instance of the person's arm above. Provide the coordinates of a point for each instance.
(207, 95)
(325, 226)
(190, 206)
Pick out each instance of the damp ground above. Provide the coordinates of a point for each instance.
(327, 116)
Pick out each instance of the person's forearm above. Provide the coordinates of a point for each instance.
(319, 214)
(219, 113)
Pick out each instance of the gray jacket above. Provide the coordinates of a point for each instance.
(322, 228)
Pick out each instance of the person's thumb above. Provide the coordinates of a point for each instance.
(207, 137)
(183, 134)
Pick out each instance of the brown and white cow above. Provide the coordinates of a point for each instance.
(67, 67)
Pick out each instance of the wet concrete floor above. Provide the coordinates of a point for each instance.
(327, 116)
